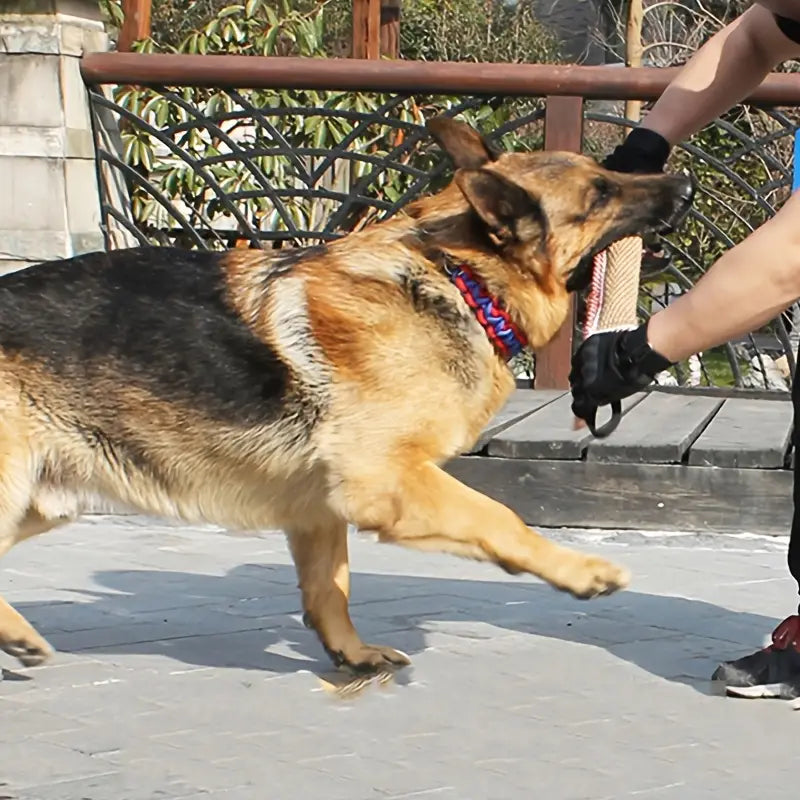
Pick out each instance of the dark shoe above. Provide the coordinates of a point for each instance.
(771, 672)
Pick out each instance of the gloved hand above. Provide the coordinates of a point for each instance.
(609, 367)
(642, 151)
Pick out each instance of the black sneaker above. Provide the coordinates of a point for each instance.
(771, 672)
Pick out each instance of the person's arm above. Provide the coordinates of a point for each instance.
(752, 283)
(725, 70)
(747, 287)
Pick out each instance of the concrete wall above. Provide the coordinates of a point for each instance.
(49, 205)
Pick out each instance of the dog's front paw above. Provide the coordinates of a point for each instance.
(369, 659)
(591, 576)
(30, 652)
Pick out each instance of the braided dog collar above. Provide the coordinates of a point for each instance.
(503, 333)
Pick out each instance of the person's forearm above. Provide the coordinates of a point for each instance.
(746, 288)
(719, 75)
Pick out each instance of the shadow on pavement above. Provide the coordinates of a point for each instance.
(250, 619)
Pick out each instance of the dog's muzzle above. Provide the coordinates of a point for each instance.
(675, 204)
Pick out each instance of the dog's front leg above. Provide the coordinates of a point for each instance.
(320, 556)
(430, 510)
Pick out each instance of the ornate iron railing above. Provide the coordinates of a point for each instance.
(190, 157)
(225, 167)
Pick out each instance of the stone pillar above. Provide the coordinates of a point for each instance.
(49, 201)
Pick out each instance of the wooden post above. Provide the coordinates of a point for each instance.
(633, 52)
(563, 130)
(136, 25)
(390, 28)
(367, 29)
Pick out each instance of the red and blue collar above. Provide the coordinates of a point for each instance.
(503, 333)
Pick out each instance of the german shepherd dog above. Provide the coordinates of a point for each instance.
(309, 388)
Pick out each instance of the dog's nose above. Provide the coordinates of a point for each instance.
(679, 202)
(685, 189)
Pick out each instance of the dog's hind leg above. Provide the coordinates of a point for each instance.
(20, 639)
(18, 521)
(430, 510)
(320, 556)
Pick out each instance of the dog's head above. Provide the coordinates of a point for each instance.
(550, 212)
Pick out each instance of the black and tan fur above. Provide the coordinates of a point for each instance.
(309, 388)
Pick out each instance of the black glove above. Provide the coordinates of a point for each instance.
(609, 367)
(642, 151)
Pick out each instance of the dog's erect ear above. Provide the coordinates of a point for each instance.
(507, 209)
(467, 148)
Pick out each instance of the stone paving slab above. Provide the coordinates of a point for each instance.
(184, 671)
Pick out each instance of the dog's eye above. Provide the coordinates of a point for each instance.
(603, 188)
(603, 192)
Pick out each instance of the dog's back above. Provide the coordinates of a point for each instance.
(158, 318)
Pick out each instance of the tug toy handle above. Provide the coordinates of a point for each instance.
(611, 305)
(610, 426)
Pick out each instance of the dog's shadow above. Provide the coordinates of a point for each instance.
(250, 618)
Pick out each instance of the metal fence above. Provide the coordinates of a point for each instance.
(226, 151)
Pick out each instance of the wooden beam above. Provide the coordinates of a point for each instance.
(750, 434)
(390, 28)
(563, 130)
(518, 407)
(548, 433)
(660, 430)
(366, 29)
(406, 77)
(660, 497)
(136, 25)
(633, 52)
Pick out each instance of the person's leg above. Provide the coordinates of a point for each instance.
(794, 536)
(775, 670)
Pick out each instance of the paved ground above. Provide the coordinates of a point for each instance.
(184, 672)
